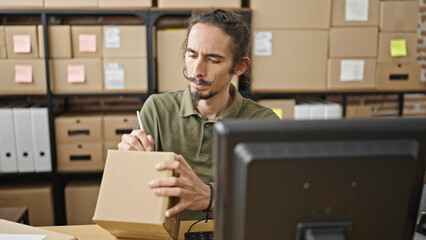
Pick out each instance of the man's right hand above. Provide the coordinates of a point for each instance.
(137, 140)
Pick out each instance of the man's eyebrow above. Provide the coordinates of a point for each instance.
(209, 54)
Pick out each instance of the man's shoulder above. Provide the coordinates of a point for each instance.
(252, 109)
(167, 97)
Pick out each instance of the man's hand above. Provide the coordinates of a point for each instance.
(194, 194)
(137, 140)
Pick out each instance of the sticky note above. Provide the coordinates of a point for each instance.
(21, 44)
(76, 74)
(398, 47)
(23, 73)
(87, 43)
(279, 112)
(352, 70)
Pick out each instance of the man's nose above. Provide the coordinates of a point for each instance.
(199, 70)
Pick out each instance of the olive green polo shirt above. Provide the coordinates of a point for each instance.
(176, 126)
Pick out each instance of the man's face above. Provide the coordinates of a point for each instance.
(208, 60)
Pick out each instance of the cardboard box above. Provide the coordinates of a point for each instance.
(23, 76)
(294, 14)
(358, 74)
(344, 15)
(401, 16)
(358, 111)
(386, 46)
(3, 49)
(76, 76)
(398, 76)
(21, 41)
(79, 127)
(8, 227)
(297, 61)
(80, 157)
(199, 4)
(124, 41)
(126, 206)
(80, 201)
(22, 3)
(67, 3)
(86, 41)
(353, 42)
(37, 197)
(284, 108)
(115, 124)
(125, 75)
(59, 41)
(124, 3)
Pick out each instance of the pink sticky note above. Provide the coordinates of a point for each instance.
(21, 44)
(87, 42)
(23, 73)
(76, 74)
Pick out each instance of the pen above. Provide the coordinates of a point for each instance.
(139, 120)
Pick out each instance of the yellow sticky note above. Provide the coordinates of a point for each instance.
(76, 74)
(21, 44)
(87, 42)
(279, 112)
(23, 73)
(398, 47)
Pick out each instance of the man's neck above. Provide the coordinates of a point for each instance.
(212, 108)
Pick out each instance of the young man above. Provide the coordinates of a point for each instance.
(216, 48)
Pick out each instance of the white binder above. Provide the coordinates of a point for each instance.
(23, 139)
(41, 139)
(8, 157)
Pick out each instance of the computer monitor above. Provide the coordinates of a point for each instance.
(318, 179)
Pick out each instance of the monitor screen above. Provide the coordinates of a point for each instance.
(318, 179)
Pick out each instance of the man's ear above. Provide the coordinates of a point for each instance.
(241, 66)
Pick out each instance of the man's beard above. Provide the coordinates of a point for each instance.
(196, 95)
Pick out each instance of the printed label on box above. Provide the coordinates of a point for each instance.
(263, 43)
(23, 73)
(352, 70)
(87, 43)
(112, 37)
(398, 47)
(114, 75)
(356, 10)
(76, 74)
(21, 44)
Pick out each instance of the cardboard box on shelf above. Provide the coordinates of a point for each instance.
(359, 111)
(37, 197)
(126, 206)
(115, 124)
(284, 108)
(397, 47)
(399, 16)
(21, 41)
(59, 41)
(125, 75)
(23, 76)
(9, 227)
(353, 42)
(281, 58)
(345, 14)
(76, 75)
(110, 145)
(67, 3)
(3, 49)
(398, 76)
(87, 41)
(294, 14)
(22, 3)
(79, 127)
(351, 74)
(80, 157)
(199, 4)
(121, 41)
(80, 201)
(124, 3)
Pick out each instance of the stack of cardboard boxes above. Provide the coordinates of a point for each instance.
(76, 3)
(80, 201)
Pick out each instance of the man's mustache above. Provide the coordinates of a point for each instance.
(199, 80)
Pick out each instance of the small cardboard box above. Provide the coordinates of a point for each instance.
(59, 41)
(22, 3)
(3, 49)
(358, 111)
(67, 3)
(289, 54)
(80, 157)
(118, 123)
(355, 15)
(126, 206)
(86, 41)
(291, 14)
(8, 227)
(283, 106)
(124, 41)
(23, 76)
(21, 41)
(79, 127)
(398, 76)
(353, 42)
(358, 74)
(80, 201)
(76, 75)
(37, 197)
(199, 4)
(124, 3)
(401, 16)
(409, 46)
(125, 75)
